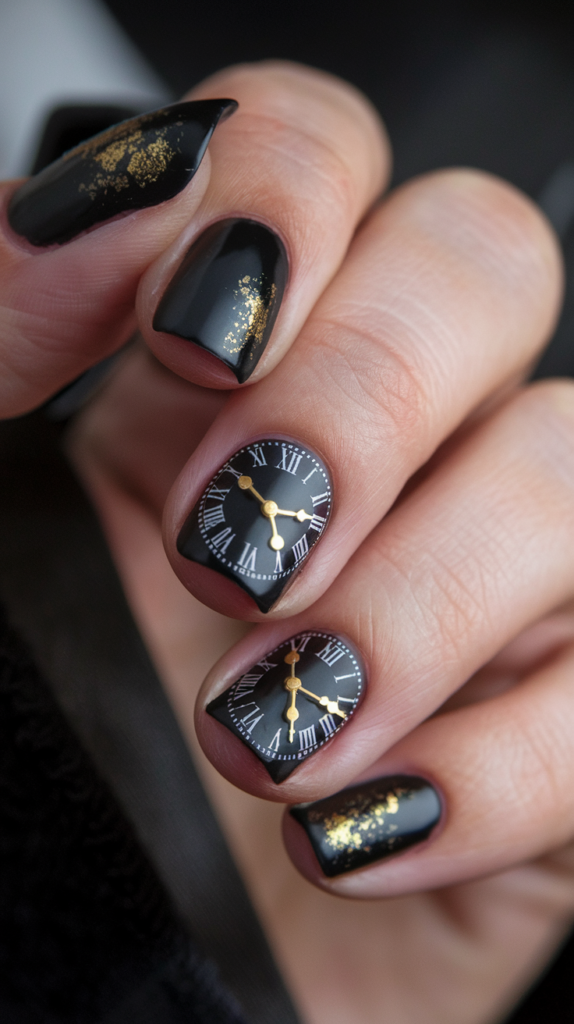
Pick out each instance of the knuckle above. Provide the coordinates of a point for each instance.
(547, 411)
(488, 224)
(384, 397)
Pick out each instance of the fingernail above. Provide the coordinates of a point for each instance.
(294, 700)
(368, 822)
(226, 294)
(260, 517)
(138, 163)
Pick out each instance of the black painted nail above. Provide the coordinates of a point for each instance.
(369, 822)
(259, 517)
(294, 700)
(226, 294)
(138, 163)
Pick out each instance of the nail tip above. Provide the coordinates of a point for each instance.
(117, 171)
(226, 293)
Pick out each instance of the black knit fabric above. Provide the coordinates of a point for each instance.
(87, 933)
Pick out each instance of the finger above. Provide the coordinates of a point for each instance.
(305, 158)
(446, 293)
(76, 238)
(476, 553)
(503, 769)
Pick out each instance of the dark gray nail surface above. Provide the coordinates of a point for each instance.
(365, 823)
(226, 294)
(136, 164)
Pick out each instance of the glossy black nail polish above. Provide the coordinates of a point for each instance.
(136, 164)
(226, 294)
(259, 517)
(368, 822)
(294, 700)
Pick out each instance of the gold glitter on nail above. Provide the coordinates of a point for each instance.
(364, 821)
(252, 311)
(124, 156)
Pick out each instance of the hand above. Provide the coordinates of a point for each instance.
(417, 333)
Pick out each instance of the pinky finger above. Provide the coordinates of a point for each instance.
(469, 793)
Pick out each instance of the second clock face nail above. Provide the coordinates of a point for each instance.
(259, 517)
(294, 700)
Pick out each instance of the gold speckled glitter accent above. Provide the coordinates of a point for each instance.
(252, 313)
(126, 157)
(364, 821)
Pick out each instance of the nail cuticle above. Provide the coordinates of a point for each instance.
(368, 822)
(260, 516)
(226, 292)
(135, 165)
(294, 700)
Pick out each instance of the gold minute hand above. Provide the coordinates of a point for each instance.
(246, 484)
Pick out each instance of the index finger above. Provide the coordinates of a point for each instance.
(306, 157)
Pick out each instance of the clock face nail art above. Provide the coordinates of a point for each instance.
(259, 517)
(294, 700)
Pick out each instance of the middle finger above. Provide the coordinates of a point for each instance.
(448, 292)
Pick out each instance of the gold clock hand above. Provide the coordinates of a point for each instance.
(292, 715)
(331, 705)
(276, 542)
(246, 484)
(268, 509)
(301, 515)
(292, 684)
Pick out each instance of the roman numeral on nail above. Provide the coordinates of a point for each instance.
(247, 684)
(250, 721)
(307, 738)
(258, 455)
(318, 499)
(330, 654)
(274, 745)
(327, 723)
(218, 493)
(266, 665)
(222, 540)
(317, 523)
(301, 645)
(213, 517)
(289, 461)
(300, 549)
(247, 560)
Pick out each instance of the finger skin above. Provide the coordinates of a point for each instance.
(504, 768)
(479, 551)
(306, 159)
(63, 309)
(447, 292)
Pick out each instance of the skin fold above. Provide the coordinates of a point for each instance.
(399, 354)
